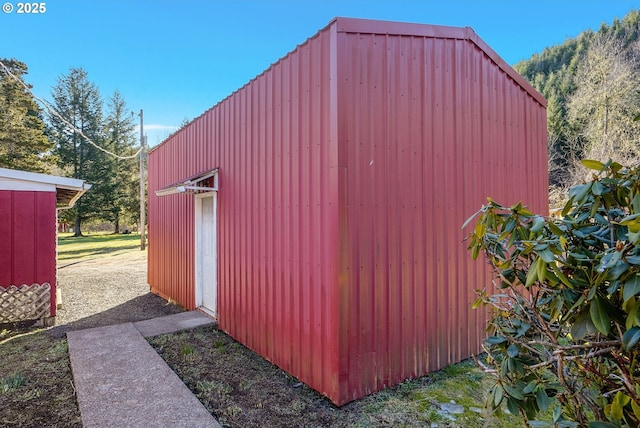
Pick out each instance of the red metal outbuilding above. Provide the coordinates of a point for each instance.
(317, 210)
(28, 222)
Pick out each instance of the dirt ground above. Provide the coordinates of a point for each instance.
(106, 290)
(242, 390)
(237, 386)
(36, 383)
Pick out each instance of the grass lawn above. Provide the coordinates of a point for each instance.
(95, 245)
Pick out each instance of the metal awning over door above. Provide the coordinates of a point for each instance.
(204, 182)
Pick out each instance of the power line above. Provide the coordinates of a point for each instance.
(66, 122)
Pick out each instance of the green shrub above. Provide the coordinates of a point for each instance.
(565, 323)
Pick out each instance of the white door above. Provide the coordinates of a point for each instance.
(206, 260)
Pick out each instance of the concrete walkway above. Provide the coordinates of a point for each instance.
(122, 382)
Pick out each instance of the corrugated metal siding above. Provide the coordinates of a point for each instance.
(28, 231)
(430, 128)
(276, 251)
(346, 170)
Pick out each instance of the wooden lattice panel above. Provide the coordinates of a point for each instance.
(26, 302)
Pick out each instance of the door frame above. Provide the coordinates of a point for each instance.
(199, 295)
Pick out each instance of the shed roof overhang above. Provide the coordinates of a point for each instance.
(204, 182)
(67, 190)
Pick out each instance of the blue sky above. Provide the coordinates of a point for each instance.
(175, 59)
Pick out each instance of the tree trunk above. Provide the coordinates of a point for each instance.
(77, 223)
(116, 225)
(76, 226)
(606, 121)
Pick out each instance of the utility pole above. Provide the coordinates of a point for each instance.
(143, 152)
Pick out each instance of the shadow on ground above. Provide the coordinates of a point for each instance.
(140, 308)
(86, 254)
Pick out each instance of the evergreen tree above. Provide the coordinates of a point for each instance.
(78, 101)
(23, 143)
(124, 181)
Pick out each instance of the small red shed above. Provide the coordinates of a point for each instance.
(28, 213)
(317, 210)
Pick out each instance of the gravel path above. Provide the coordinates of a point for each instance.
(106, 290)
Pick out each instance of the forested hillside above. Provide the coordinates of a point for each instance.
(592, 84)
